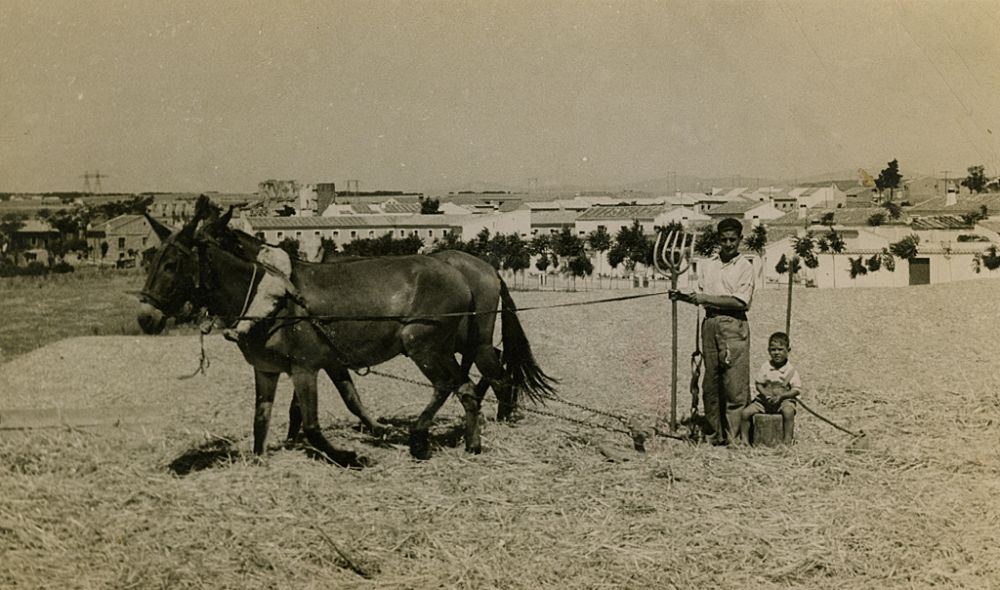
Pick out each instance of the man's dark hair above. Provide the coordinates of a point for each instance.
(730, 224)
(779, 337)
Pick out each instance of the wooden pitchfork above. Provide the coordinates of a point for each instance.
(672, 256)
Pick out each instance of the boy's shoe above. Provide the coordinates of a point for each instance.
(231, 335)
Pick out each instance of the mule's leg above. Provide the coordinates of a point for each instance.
(345, 385)
(294, 422)
(488, 363)
(445, 374)
(304, 380)
(265, 384)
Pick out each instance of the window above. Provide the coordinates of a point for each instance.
(371, 233)
(144, 240)
(121, 243)
(281, 234)
(354, 234)
(298, 235)
(336, 233)
(316, 233)
(430, 233)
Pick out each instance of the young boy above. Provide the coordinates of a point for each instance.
(778, 384)
(274, 284)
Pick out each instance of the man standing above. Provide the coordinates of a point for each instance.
(725, 289)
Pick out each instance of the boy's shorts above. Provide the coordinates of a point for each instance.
(761, 405)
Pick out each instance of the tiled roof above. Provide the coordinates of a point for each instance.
(35, 226)
(940, 222)
(340, 221)
(622, 212)
(733, 208)
(965, 203)
(401, 208)
(562, 217)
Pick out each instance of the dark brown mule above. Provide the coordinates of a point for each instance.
(508, 372)
(424, 297)
(519, 369)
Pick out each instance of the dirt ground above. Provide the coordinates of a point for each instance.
(177, 500)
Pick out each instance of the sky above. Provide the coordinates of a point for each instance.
(201, 96)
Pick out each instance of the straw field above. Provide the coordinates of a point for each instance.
(178, 501)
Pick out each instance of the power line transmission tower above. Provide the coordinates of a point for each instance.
(97, 177)
(86, 182)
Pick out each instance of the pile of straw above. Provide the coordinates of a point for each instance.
(182, 502)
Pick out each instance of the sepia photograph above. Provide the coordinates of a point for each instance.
(619, 294)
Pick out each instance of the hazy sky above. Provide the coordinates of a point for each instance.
(421, 95)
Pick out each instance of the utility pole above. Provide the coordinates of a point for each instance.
(945, 172)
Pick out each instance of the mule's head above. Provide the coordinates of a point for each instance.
(173, 282)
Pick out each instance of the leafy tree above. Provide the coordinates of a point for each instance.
(630, 248)
(827, 218)
(430, 206)
(757, 240)
(906, 248)
(599, 239)
(972, 218)
(976, 180)
(857, 267)
(990, 258)
(895, 211)
(889, 178)
(104, 249)
(541, 246)
(579, 266)
(707, 242)
(9, 225)
(291, 246)
(327, 248)
(876, 219)
(833, 244)
(516, 257)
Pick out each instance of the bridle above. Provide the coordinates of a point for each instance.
(196, 296)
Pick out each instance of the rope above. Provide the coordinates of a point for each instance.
(413, 318)
(830, 422)
(203, 362)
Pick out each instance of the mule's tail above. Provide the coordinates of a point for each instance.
(522, 372)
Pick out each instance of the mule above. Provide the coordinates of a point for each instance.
(500, 370)
(413, 305)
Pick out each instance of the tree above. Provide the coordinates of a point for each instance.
(876, 219)
(327, 248)
(599, 240)
(541, 246)
(827, 218)
(757, 240)
(804, 248)
(104, 249)
(889, 178)
(579, 266)
(9, 225)
(291, 246)
(430, 206)
(895, 211)
(707, 242)
(976, 180)
(833, 244)
(630, 248)
(516, 257)
(980, 215)
(906, 248)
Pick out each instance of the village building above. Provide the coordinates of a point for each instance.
(120, 240)
(751, 212)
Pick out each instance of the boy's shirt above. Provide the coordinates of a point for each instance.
(786, 376)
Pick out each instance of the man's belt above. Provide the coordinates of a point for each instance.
(739, 315)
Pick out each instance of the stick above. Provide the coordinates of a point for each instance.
(838, 427)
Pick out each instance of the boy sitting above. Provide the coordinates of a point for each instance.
(274, 285)
(778, 384)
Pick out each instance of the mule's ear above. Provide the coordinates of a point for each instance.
(162, 231)
(225, 219)
(203, 208)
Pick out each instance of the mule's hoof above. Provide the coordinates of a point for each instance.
(420, 446)
(475, 449)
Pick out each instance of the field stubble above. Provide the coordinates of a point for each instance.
(181, 502)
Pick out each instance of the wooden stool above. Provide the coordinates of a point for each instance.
(767, 430)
